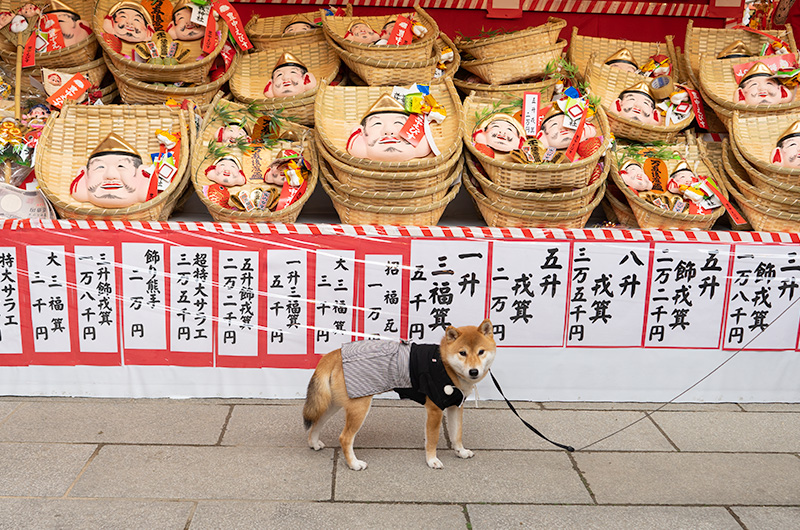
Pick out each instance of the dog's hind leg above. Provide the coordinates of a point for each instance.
(455, 416)
(313, 433)
(356, 411)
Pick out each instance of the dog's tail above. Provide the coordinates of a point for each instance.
(318, 397)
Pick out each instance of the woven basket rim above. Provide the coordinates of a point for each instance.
(88, 66)
(358, 46)
(484, 87)
(551, 24)
(752, 170)
(769, 166)
(371, 208)
(55, 54)
(354, 191)
(383, 63)
(769, 212)
(741, 183)
(177, 183)
(97, 27)
(668, 214)
(248, 28)
(532, 214)
(535, 195)
(386, 175)
(560, 44)
(171, 89)
(538, 168)
(409, 165)
(619, 204)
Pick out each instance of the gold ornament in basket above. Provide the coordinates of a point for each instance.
(238, 164)
(514, 175)
(71, 136)
(256, 71)
(658, 211)
(123, 28)
(339, 110)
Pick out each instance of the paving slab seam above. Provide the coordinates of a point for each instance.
(190, 516)
(582, 477)
(8, 416)
(663, 433)
(467, 519)
(225, 425)
(334, 473)
(736, 517)
(83, 469)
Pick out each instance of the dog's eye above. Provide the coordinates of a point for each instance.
(463, 353)
(480, 352)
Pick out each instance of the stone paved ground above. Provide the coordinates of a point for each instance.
(196, 464)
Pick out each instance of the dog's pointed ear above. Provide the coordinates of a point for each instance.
(451, 334)
(486, 328)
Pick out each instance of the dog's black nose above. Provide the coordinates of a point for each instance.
(474, 372)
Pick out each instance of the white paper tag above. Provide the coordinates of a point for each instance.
(200, 13)
(573, 110)
(165, 173)
(530, 112)
(429, 136)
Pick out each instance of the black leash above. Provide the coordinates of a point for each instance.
(528, 425)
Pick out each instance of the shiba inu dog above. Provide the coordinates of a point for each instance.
(438, 376)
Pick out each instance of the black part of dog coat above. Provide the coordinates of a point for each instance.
(429, 378)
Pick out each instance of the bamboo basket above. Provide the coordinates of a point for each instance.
(389, 71)
(756, 136)
(133, 91)
(524, 39)
(617, 211)
(718, 85)
(554, 201)
(762, 181)
(69, 57)
(709, 42)
(651, 216)
(500, 215)
(517, 66)
(420, 197)
(761, 218)
(267, 33)
(94, 71)
(766, 199)
(191, 72)
(417, 51)
(519, 176)
(389, 181)
(70, 136)
(607, 82)
(338, 110)
(352, 211)
(254, 71)
(582, 47)
(211, 122)
(545, 88)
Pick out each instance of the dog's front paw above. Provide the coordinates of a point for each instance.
(435, 463)
(357, 465)
(464, 453)
(317, 446)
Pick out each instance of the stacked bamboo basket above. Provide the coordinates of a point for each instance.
(387, 65)
(145, 83)
(364, 191)
(546, 195)
(83, 57)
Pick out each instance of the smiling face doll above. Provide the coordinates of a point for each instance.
(638, 104)
(500, 133)
(634, 176)
(129, 22)
(378, 135)
(362, 33)
(759, 87)
(787, 150)
(182, 27)
(623, 60)
(227, 171)
(290, 77)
